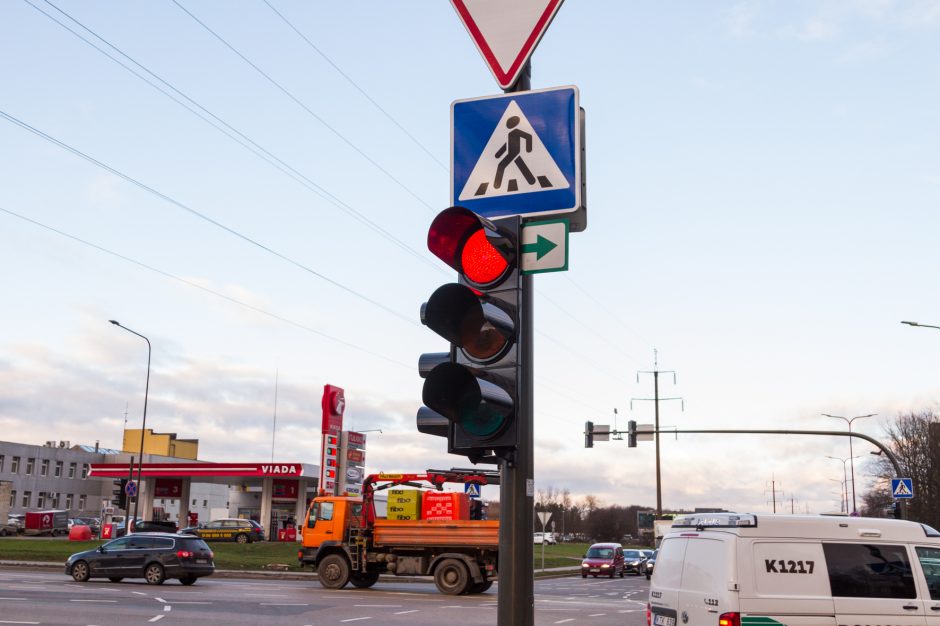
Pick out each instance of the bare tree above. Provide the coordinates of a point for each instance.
(915, 440)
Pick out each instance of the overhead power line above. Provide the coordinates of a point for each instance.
(357, 87)
(205, 289)
(225, 128)
(204, 217)
(306, 108)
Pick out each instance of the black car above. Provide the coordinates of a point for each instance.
(651, 564)
(237, 530)
(154, 557)
(634, 561)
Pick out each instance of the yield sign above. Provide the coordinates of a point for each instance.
(506, 33)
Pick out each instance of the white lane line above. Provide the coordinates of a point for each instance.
(138, 593)
(107, 601)
(597, 615)
(160, 600)
(167, 608)
(156, 619)
(353, 619)
(266, 595)
(5, 622)
(405, 612)
(12, 598)
(283, 604)
(565, 621)
(378, 606)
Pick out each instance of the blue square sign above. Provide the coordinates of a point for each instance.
(902, 488)
(519, 154)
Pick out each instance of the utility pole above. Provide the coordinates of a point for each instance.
(656, 399)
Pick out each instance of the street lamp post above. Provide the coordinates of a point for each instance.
(852, 457)
(919, 324)
(143, 426)
(845, 478)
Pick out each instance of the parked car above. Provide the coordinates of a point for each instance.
(237, 530)
(92, 522)
(603, 559)
(154, 527)
(8, 529)
(634, 561)
(153, 557)
(546, 538)
(650, 564)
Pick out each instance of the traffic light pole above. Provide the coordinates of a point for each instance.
(515, 598)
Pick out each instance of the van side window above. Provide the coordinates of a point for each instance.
(869, 571)
(930, 562)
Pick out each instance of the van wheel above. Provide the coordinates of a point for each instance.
(333, 571)
(451, 577)
(480, 587)
(154, 574)
(80, 572)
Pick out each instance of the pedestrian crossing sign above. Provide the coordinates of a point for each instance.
(902, 488)
(519, 153)
(472, 490)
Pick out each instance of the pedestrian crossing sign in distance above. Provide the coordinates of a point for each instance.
(519, 153)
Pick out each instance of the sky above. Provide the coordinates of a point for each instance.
(249, 185)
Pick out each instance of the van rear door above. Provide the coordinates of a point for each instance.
(666, 582)
(710, 568)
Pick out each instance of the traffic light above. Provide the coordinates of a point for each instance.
(631, 434)
(121, 501)
(588, 434)
(472, 391)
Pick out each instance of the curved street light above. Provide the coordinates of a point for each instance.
(845, 478)
(852, 457)
(143, 426)
(921, 325)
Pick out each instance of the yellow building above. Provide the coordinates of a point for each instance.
(162, 444)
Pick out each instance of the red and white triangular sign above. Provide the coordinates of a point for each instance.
(506, 32)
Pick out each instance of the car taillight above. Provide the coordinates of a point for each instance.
(184, 554)
(649, 615)
(729, 619)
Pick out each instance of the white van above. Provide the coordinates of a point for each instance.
(728, 569)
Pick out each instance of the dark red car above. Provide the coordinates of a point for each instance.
(603, 559)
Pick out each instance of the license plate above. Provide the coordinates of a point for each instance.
(664, 620)
(595, 569)
(202, 560)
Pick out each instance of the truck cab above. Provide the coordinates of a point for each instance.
(329, 520)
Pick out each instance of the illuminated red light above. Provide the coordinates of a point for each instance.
(481, 262)
(184, 554)
(729, 619)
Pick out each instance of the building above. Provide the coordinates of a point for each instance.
(161, 444)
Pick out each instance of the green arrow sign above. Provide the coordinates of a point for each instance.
(541, 247)
(544, 246)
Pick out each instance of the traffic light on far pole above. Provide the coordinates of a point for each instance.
(120, 485)
(588, 434)
(472, 392)
(631, 434)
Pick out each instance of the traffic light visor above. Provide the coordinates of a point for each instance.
(471, 245)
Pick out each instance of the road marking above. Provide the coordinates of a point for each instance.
(139, 593)
(379, 606)
(190, 602)
(283, 604)
(160, 600)
(12, 598)
(597, 615)
(167, 608)
(565, 621)
(3, 622)
(405, 612)
(353, 619)
(156, 619)
(112, 601)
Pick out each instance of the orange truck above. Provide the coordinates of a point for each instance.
(345, 542)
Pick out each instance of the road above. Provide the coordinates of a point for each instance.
(32, 597)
